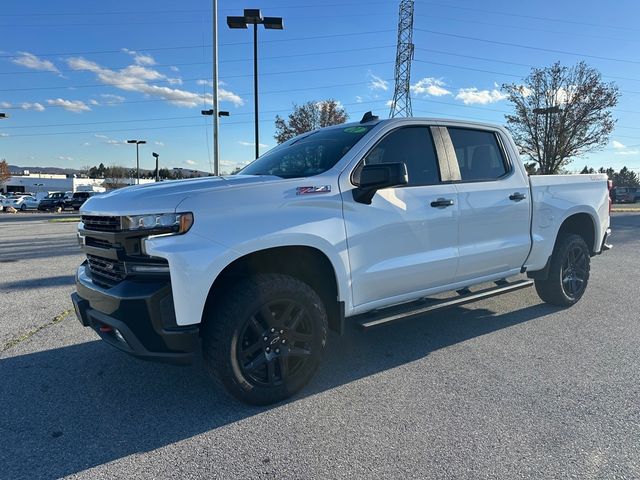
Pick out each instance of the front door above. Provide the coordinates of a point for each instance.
(406, 240)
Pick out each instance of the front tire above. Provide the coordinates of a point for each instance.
(264, 338)
(568, 272)
(23, 207)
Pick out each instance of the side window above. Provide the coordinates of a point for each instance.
(413, 146)
(478, 153)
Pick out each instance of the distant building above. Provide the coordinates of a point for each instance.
(40, 184)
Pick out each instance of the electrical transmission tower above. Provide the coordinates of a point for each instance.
(401, 105)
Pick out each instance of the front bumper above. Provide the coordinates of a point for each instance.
(136, 317)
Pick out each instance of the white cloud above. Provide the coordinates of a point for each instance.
(622, 149)
(111, 141)
(64, 158)
(76, 106)
(252, 144)
(29, 60)
(388, 103)
(140, 58)
(5, 105)
(97, 135)
(223, 94)
(4, 134)
(160, 144)
(358, 99)
(94, 102)
(483, 97)
(135, 78)
(111, 99)
(174, 69)
(430, 86)
(228, 96)
(37, 107)
(191, 162)
(174, 81)
(378, 83)
(86, 144)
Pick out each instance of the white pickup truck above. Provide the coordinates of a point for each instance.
(358, 223)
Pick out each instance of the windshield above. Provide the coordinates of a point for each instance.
(308, 154)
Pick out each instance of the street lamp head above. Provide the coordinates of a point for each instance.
(206, 112)
(273, 23)
(223, 113)
(156, 155)
(132, 141)
(140, 142)
(236, 22)
(4, 115)
(252, 15)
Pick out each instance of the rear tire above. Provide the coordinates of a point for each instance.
(264, 338)
(23, 207)
(568, 272)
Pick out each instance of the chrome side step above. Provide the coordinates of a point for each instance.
(412, 309)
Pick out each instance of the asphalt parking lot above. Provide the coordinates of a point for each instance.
(504, 388)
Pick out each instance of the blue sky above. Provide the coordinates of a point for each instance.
(79, 78)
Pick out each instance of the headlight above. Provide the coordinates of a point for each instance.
(169, 222)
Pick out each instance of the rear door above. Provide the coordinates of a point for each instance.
(406, 240)
(494, 204)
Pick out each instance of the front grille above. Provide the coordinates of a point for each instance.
(105, 270)
(101, 223)
(98, 243)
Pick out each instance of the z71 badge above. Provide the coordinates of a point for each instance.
(313, 190)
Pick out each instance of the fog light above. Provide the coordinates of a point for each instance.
(149, 268)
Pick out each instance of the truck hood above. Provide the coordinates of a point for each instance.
(162, 196)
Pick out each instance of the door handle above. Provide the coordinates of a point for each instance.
(516, 197)
(442, 202)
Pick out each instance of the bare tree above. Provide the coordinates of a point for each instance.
(309, 116)
(561, 113)
(5, 175)
(115, 177)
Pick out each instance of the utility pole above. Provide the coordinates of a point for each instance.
(401, 104)
(216, 123)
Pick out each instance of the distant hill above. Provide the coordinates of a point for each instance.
(17, 170)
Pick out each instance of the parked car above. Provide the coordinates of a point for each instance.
(78, 199)
(627, 195)
(22, 202)
(53, 201)
(357, 223)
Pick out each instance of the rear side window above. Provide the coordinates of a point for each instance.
(478, 153)
(414, 147)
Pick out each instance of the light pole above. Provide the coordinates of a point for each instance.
(252, 16)
(216, 153)
(137, 143)
(156, 156)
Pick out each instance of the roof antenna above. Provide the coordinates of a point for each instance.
(368, 117)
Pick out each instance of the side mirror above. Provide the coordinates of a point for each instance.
(378, 176)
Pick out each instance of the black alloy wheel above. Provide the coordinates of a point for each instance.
(568, 274)
(575, 272)
(276, 343)
(263, 336)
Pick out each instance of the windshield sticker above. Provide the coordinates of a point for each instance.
(355, 130)
(313, 190)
